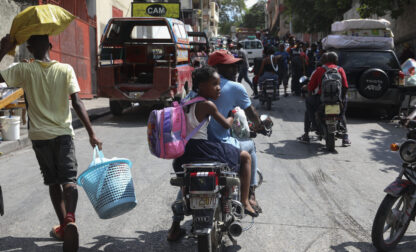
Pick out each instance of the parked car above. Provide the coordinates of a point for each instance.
(254, 49)
(373, 78)
(143, 60)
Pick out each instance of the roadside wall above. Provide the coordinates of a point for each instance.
(8, 10)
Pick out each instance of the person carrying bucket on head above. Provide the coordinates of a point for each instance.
(47, 85)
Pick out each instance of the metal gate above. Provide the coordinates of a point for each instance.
(73, 45)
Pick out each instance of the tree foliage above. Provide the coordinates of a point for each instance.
(315, 15)
(254, 17)
(230, 14)
(382, 7)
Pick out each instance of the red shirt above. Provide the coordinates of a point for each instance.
(316, 78)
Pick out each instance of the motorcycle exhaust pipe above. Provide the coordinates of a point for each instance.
(235, 229)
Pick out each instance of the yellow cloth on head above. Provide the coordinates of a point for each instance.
(47, 87)
(45, 19)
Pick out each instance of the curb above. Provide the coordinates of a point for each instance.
(7, 147)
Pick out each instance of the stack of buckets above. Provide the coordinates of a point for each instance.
(10, 127)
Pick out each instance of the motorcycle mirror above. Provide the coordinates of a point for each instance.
(303, 79)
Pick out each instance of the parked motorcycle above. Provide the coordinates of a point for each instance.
(267, 92)
(328, 120)
(211, 194)
(398, 207)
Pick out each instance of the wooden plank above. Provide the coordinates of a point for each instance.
(11, 98)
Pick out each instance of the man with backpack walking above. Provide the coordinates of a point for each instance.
(329, 63)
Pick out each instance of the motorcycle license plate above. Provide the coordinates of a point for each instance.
(332, 109)
(203, 201)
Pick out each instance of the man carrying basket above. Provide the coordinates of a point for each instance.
(47, 85)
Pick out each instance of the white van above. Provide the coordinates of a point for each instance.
(254, 49)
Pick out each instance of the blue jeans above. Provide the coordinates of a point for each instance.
(249, 146)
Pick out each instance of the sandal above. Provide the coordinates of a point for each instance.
(57, 232)
(252, 214)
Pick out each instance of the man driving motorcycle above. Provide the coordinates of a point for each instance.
(232, 94)
(313, 100)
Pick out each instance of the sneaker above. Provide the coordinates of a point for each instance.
(286, 95)
(71, 238)
(304, 138)
(346, 142)
(256, 97)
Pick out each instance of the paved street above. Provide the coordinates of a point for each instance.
(312, 200)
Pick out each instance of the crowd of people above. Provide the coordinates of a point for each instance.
(292, 59)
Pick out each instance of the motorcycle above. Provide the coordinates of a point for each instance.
(267, 92)
(328, 120)
(211, 194)
(398, 207)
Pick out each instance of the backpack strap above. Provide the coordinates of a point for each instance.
(275, 68)
(194, 131)
(194, 100)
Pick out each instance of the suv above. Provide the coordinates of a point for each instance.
(254, 49)
(143, 60)
(373, 77)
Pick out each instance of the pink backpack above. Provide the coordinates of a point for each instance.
(166, 130)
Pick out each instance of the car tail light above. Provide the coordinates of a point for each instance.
(401, 78)
(203, 181)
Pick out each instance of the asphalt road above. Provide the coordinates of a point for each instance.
(312, 200)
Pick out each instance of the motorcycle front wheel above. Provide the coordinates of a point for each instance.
(213, 241)
(391, 222)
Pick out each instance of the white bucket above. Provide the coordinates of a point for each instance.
(10, 128)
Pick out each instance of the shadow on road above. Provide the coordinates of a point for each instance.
(293, 149)
(29, 244)
(407, 245)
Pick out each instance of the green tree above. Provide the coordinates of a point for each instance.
(254, 17)
(230, 14)
(315, 15)
(382, 7)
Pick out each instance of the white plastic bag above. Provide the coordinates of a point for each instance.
(240, 128)
(408, 67)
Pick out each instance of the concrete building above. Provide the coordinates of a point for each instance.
(106, 9)
(276, 22)
(8, 10)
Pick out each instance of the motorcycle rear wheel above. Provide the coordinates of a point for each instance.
(269, 103)
(213, 241)
(330, 141)
(389, 217)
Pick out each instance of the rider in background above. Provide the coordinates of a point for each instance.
(330, 59)
(269, 67)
